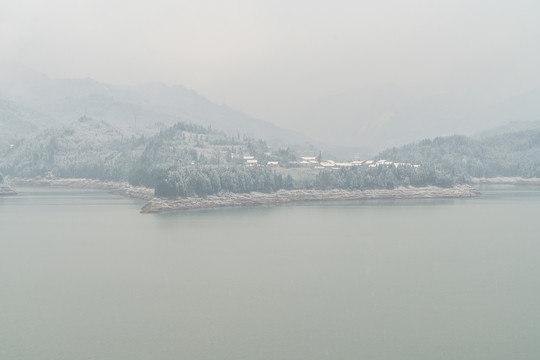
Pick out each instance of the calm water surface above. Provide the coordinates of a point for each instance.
(83, 275)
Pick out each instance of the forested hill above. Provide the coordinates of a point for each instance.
(93, 149)
(510, 154)
(189, 159)
(188, 144)
(85, 148)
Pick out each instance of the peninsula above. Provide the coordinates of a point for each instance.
(157, 205)
(228, 199)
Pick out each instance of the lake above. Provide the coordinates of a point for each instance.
(83, 275)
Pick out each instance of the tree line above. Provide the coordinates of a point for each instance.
(209, 180)
(512, 154)
(386, 177)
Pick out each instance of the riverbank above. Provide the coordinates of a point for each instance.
(157, 205)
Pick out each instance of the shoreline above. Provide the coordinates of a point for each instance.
(6, 190)
(115, 188)
(158, 205)
(504, 180)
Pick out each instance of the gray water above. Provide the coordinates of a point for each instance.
(83, 275)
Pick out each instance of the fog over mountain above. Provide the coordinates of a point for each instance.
(32, 101)
(392, 116)
(59, 101)
(361, 74)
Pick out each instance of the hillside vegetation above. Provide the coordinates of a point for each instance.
(94, 149)
(510, 154)
(193, 160)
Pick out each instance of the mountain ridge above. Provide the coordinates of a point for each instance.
(145, 108)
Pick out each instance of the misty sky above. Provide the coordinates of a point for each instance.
(275, 59)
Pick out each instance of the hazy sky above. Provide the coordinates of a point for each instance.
(273, 59)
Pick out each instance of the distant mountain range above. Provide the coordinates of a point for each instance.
(30, 102)
(362, 122)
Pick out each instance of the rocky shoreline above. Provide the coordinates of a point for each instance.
(157, 205)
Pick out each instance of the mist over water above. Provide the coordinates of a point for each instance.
(84, 275)
(197, 103)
